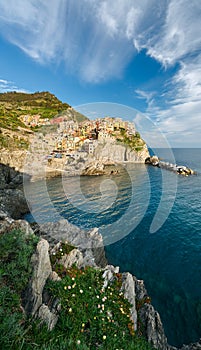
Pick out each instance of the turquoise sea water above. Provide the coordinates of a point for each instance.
(168, 260)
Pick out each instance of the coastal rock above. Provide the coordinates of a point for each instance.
(179, 169)
(128, 288)
(5, 216)
(75, 257)
(14, 159)
(109, 152)
(48, 317)
(22, 225)
(94, 168)
(8, 224)
(109, 274)
(41, 271)
(9, 177)
(154, 160)
(14, 202)
(152, 326)
(5, 221)
(90, 243)
(54, 276)
(193, 346)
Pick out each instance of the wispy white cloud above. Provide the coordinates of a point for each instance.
(7, 85)
(178, 36)
(92, 37)
(97, 39)
(180, 115)
(148, 96)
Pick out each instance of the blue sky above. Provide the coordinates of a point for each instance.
(145, 54)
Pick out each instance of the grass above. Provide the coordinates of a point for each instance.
(90, 318)
(15, 271)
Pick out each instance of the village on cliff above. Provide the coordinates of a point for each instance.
(70, 136)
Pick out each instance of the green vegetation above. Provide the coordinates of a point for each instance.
(12, 143)
(37, 99)
(90, 318)
(15, 271)
(15, 104)
(133, 141)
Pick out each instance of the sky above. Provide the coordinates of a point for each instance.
(145, 54)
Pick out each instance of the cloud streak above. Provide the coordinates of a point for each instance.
(96, 41)
(7, 85)
(93, 38)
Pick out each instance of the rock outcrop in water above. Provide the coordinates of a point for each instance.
(179, 169)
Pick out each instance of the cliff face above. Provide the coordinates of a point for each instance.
(12, 200)
(14, 159)
(109, 152)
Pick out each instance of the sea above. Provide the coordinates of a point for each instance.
(150, 219)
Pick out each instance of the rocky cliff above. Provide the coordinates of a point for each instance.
(119, 153)
(14, 159)
(12, 200)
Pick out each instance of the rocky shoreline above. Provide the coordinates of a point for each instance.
(89, 251)
(36, 164)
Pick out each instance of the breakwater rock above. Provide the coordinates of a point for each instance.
(179, 169)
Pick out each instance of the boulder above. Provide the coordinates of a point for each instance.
(94, 168)
(154, 160)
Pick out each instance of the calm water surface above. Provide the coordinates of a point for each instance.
(169, 260)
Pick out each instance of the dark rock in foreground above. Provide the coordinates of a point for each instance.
(12, 199)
